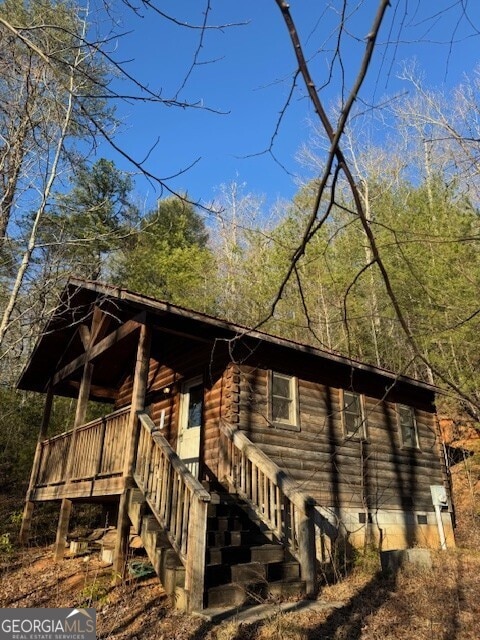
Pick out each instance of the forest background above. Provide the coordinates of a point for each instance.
(373, 250)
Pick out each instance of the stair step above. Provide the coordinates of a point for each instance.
(224, 509)
(217, 574)
(237, 595)
(234, 595)
(228, 555)
(283, 571)
(224, 523)
(249, 572)
(267, 553)
(227, 538)
(286, 588)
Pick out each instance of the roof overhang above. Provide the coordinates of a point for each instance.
(80, 297)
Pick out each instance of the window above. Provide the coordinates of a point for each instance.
(284, 401)
(408, 426)
(195, 406)
(353, 415)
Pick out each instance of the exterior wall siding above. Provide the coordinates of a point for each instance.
(349, 476)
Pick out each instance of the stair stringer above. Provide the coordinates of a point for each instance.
(162, 555)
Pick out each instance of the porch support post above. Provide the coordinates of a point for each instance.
(62, 529)
(29, 504)
(196, 550)
(83, 395)
(80, 413)
(140, 382)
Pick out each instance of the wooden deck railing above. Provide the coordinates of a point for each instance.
(99, 449)
(178, 501)
(275, 498)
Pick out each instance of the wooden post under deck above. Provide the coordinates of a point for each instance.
(140, 382)
(29, 504)
(62, 529)
(66, 507)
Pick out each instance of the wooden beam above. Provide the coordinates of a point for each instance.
(121, 539)
(139, 391)
(62, 529)
(100, 323)
(84, 333)
(28, 510)
(140, 382)
(83, 395)
(306, 549)
(119, 334)
(80, 414)
(195, 564)
(95, 390)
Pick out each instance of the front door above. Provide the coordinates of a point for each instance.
(190, 424)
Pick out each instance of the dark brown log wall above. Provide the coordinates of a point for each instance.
(377, 472)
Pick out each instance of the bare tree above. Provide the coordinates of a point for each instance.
(336, 164)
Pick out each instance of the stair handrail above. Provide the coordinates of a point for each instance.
(274, 496)
(178, 501)
(177, 463)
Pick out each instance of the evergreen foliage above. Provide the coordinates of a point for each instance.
(169, 257)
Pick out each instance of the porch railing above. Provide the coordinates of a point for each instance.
(277, 500)
(178, 501)
(98, 451)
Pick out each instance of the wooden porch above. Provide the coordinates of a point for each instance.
(88, 462)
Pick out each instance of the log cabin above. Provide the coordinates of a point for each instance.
(242, 459)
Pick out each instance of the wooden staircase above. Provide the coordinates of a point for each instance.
(243, 564)
(160, 552)
(223, 548)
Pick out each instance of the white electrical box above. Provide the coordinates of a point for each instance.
(439, 495)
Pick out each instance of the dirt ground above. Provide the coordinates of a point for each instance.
(438, 604)
(441, 604)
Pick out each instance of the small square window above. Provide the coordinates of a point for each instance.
(353, 416)
(408, 426)
(284, 401)
(364, 518)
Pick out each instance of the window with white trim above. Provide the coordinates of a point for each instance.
(284, 401)
(408, 426)
(353, 415)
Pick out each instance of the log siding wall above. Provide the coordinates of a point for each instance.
(168, 370)
(376, 473)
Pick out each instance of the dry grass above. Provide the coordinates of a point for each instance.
(442, 604)
(438, 604)
(466, 489)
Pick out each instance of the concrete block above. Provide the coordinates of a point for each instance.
(392, 561)
(78, 548)
(107, 555)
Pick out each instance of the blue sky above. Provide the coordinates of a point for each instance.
(245, 73)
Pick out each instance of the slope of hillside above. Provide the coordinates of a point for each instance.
(441, 604)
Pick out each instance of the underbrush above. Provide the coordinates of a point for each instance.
(440, 603)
